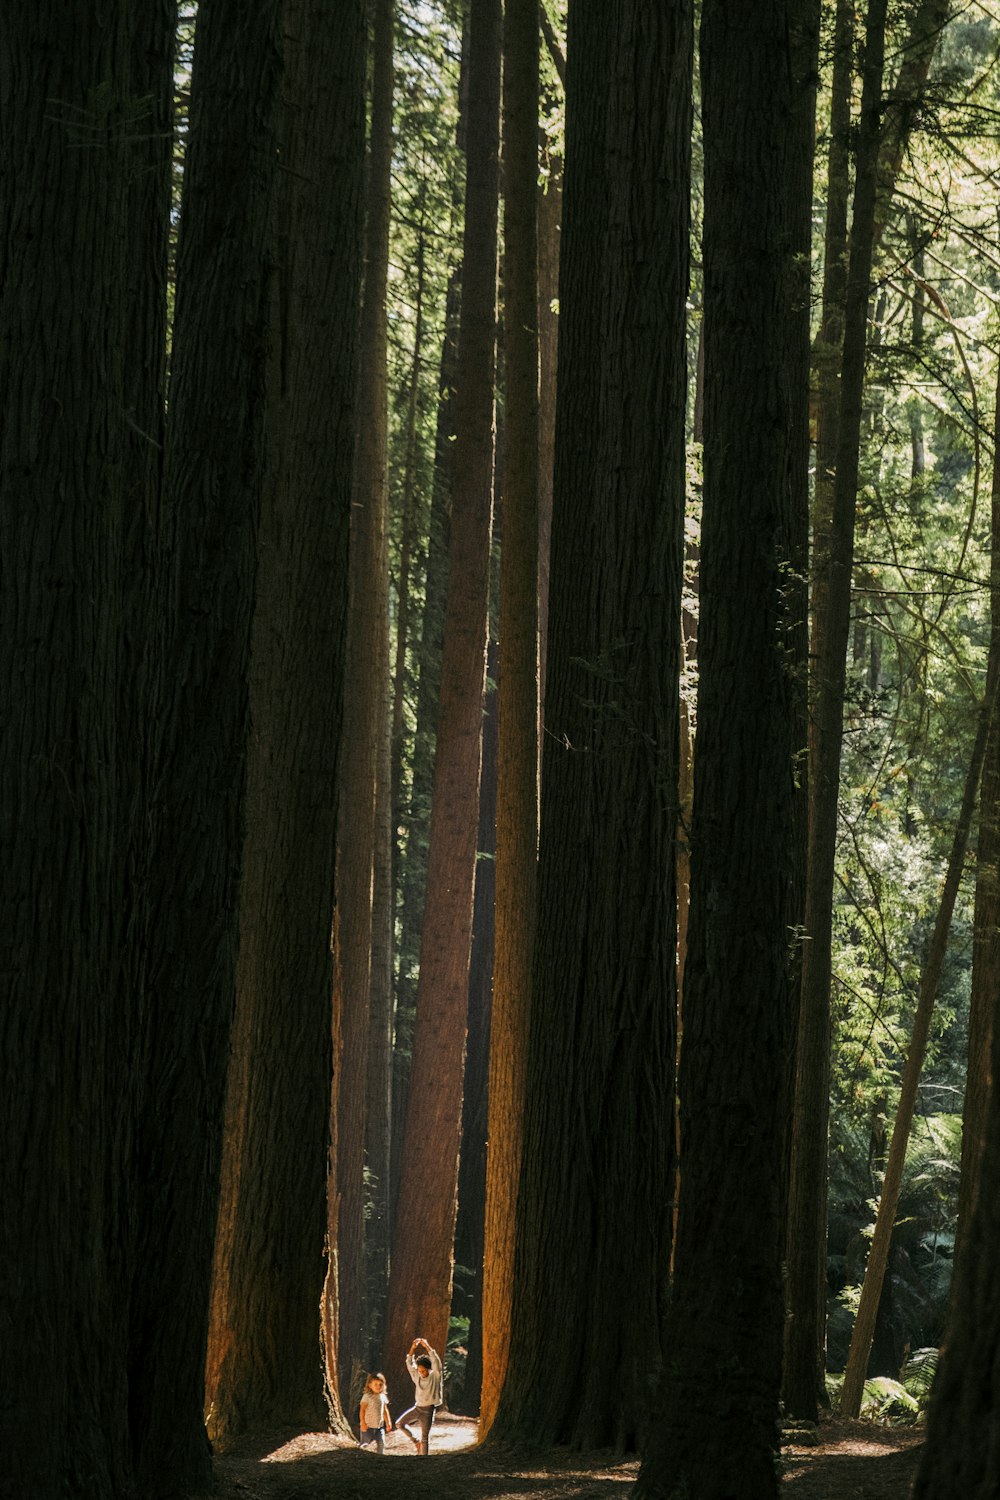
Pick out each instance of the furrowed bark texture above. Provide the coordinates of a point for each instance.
(517, 694)
(213, 481)
(264, 1364)
(837, 454)
(594, 1199)
(366, 687)
(65, 109)
(424, 1227)
(724, 1355)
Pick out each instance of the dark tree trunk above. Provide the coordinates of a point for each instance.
(986, 923)
(517, 693)
(424, 1224)
(549, 226)
(593, 1226)
(719, 1433)
(213, 483)
(264, 1365)
(962, 1456)
(365, 706)
(66, 467)
(837, 456)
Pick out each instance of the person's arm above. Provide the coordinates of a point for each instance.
(435, 1358)
(388, 1419)
(361, 1416)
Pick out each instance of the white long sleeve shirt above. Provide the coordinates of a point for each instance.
(426, 1383)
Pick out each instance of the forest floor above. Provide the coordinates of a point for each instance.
(849, 1461)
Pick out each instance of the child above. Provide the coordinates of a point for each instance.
(374, 1416)
(425, 1372)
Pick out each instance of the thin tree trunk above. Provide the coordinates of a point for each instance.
(472, 1166)
(986, 922)
(213, 483)
(408, 518)
(64, 463)
(264, 1366)
(366, 686)
(549, 224)
(864, 1324)
(424, 1226)
(904, 101)
(593, 1203)
(517, 696)
(718, 1434)
(378, 1139)
(838, 445)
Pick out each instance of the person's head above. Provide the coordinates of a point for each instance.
(375, 1384)
(423, 1362)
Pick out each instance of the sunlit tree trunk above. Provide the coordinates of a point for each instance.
(594, 1201)
(718, 1433)
(264, 1365)
(424, 1223)
(517, 695)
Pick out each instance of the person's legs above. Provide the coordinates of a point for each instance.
(401, 1426)
(426, 1415)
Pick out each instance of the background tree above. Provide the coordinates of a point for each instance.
(366, 689)
(424, 1224)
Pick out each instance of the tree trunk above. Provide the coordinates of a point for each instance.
(549, 225)
(213, 483)
(718, 1436)
(424, 1227)
(472, 1165)
(885, 1220)
(904, 101)
(594, 1199)
(65, 1034)
(962, 1458)
(517, 694)
(264, 1366)
(366, 686)
(986, 922)
(837, 456)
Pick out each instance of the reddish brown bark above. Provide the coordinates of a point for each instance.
(424, 1224)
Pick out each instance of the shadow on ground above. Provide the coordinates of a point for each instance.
(316, 1466)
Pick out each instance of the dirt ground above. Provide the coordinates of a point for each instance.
(851, 1461)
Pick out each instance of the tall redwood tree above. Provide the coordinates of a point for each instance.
(593, 1213)
(718, 1435)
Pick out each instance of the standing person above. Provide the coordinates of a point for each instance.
(425, 1370)
(374, 1416)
